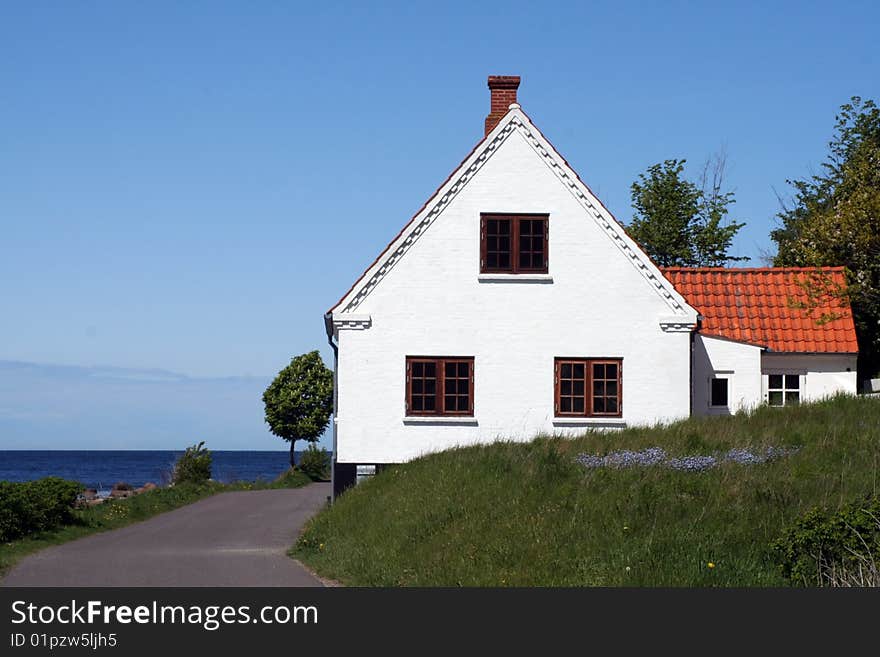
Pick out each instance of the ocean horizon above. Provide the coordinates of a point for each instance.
(100, 469)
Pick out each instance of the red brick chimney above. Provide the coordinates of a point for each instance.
(503, 90)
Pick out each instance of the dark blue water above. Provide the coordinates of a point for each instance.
(102, 469)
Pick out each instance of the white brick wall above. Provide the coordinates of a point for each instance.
(747, 367)
(432, 303)
(739, 363)
(822, 375)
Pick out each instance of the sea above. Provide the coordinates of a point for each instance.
(101, 469)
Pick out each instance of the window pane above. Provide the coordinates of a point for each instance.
(430, 370)
(418, 369)
(599, 371)
(611, 387)
(775, 381)
(719, 392)
(503, 261)
(611, 405)
(566, 370)
(565, 405)
(578, 371)
(498, 226)
(599, 388)
(792, 381)
(531, 244)
(417, 386)
(775, 398)
(565, 387)
(463, 387)
(464, 370)
(577, 404)
(417, 404)
(598, 404)
(429, 403)
(430, 386)
(449, 400)
(611, 371)
(792, 398)
(578, 388)
(449, 386)
(451, 369)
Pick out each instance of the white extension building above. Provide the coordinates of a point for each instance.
(514, 304)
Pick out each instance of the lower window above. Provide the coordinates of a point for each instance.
(588, 387)
(439, 386)
(783, 389)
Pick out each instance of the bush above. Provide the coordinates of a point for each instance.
(194, 466)
(35, 506)
(315, 462)
(833, 549)
(291, 479)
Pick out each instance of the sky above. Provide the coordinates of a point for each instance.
(190, 186)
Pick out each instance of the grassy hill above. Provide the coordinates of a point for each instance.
(525, 514)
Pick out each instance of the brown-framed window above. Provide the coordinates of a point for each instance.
(514, 243)
(588, 387)
(439, 385)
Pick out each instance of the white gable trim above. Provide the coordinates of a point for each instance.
(425, 218)
(602, 216)
(515, 120)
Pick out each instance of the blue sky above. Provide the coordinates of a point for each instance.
(189, 186)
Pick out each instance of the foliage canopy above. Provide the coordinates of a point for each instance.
(680, 223)
(834, 219)
(299, 401)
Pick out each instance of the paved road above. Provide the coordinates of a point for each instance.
(231, 539)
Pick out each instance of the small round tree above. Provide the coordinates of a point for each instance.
(300, 400)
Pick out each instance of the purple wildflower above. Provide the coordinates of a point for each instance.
(696, 463)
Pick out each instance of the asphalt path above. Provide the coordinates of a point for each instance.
(230, 539)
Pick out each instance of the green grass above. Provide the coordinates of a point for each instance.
(526, 514)
(114, 514)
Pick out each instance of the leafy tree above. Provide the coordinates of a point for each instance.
(679, 223)
(834, 219)
(300, 400)
(713, 234)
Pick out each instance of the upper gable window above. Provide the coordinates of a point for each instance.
(514, 244)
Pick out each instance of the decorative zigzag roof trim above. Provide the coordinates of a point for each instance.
(515, 120)
(600, 215)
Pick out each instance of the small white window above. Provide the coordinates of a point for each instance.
(719, 392)
(783, 389)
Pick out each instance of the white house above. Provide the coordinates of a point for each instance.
(513, 304)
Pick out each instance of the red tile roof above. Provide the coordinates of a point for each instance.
(772, 306)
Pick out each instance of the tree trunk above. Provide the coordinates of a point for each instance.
(292, 455)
